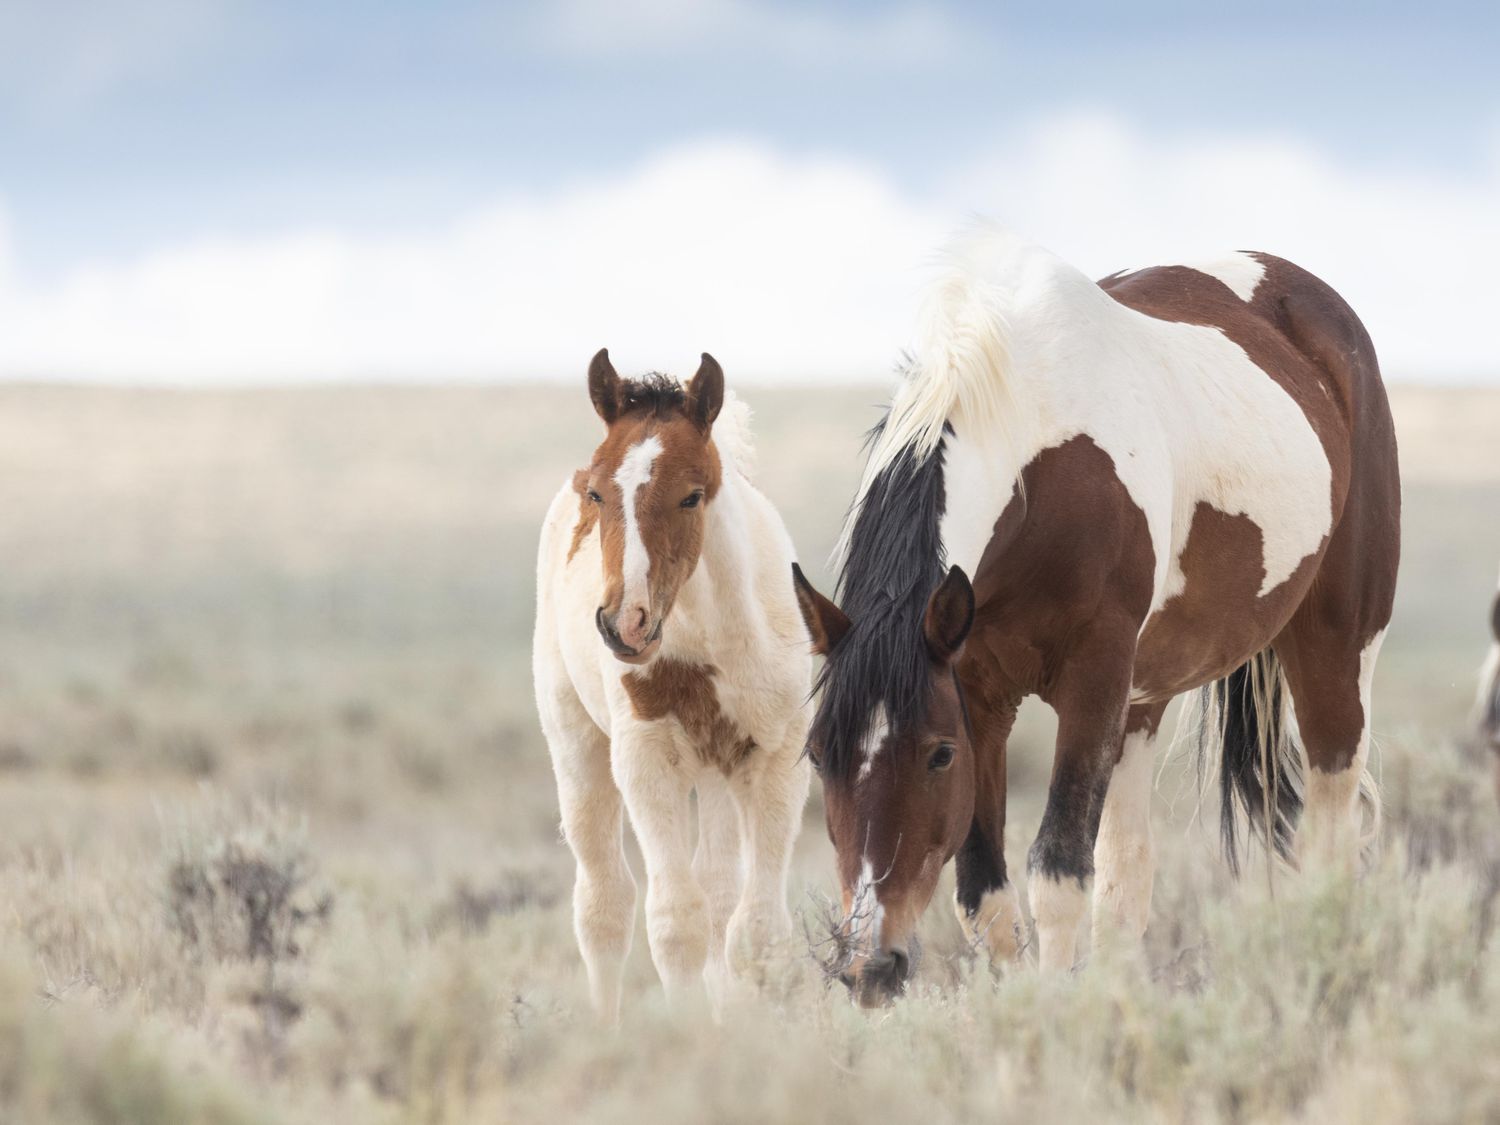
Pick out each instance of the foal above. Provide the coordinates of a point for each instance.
(669, 654)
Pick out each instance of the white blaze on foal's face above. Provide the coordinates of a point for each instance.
(633, 475)
(651, 481)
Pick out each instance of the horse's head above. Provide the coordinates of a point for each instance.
(890, 740)
(651, 479)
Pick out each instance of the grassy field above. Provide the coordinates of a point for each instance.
(278, 836)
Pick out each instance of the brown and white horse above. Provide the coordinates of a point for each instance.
(669, 655)
(1179, 476)
(1487, 701)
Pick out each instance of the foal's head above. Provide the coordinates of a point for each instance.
(651, 481)
(891, 741)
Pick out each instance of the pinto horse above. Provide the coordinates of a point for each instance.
(1175, 477)
(1487, 700)
(670, 656)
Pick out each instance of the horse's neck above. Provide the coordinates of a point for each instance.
(1057, 390)
(723, 590)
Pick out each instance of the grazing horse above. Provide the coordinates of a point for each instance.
(1487, 702)
(1176, 477)
(669, 655)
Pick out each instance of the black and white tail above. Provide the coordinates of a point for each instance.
(1245, 717)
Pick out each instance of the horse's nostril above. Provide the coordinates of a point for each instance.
(890, 965)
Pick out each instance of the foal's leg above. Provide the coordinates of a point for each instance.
(770, 789)
(1089, 698)
(1124, 861)
(716, 866)
(592, 823)
(1329, 673)
(984, 898)
(653, 772)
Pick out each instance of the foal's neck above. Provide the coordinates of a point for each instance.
(725, 581)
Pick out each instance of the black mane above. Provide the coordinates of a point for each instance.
(894, 562)
(653, 393)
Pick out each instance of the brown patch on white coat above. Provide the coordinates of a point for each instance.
(687, 693)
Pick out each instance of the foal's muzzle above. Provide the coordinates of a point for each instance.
(623, 651)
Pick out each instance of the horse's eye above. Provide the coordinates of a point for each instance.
(693, 500)
(595, 497)
(817, 762)
(941, 758)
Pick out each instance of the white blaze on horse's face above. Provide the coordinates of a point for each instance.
(631, 478)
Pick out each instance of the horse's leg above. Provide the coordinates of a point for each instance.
(1329, 672)
(1328, 652)
(1124, 861)
(1090, 698)
(770, 789)
(592, 823)
(984, 898)
(656, 772)
(716, 866)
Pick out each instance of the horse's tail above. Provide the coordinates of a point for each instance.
(1245, 717)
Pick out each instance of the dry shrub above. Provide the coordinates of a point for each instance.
(243, 887)
(471, 908)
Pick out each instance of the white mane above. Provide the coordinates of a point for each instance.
(732, 436)
(961, 369)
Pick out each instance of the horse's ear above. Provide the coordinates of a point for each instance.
(705, 394)
(950, 613)
(825, 621)
(604, 387)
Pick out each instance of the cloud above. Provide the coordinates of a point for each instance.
(1412, 251)
(781, 267)
(56, 55)
(786, 268)
(801, 35)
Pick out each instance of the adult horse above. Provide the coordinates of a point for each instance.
(668, 656)
(1176, 477)
(1487, 701)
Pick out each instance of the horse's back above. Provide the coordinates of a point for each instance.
(1305, 338)
(1357, 578)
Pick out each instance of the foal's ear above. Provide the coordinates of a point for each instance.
(950, 613)
(604, 387)
(705, 394)
(825, 621)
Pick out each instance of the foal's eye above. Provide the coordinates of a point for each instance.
(595, 497)
(693, 500)
(941, 758)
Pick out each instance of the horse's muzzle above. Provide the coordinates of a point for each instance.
(623, 651)
(880, 979)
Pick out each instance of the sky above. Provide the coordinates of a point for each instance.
(220, 191)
